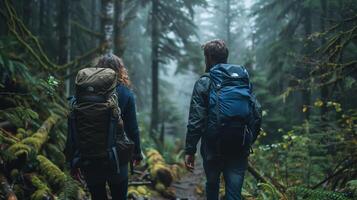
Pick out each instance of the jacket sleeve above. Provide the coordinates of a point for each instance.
(197, 115)
(131, 125)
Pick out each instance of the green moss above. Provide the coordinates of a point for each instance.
(18, 149)
(42, 190)
(35, 141)
(52, 173)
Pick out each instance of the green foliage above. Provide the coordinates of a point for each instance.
(55, 154)
(19, 116)
(268, 192)
(52, 173)
(42, 191)
(352, 187)
(305, 193)
(71, 190)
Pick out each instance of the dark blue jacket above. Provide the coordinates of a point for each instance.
(127, 107)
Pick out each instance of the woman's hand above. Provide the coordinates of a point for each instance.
(190, 162)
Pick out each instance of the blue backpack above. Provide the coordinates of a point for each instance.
(234, 114)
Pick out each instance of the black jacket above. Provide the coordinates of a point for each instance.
(198, 117)
(197, 120)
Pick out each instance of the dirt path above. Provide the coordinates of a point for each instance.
(186, 187)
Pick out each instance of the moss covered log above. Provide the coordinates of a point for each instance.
(34, 142)
(42, 191)
(160, 172)
(53, 174)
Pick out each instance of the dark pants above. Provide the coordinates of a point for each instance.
(233, 172)
(98, 177)
(118, 191)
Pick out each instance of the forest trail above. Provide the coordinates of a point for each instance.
(187, 187)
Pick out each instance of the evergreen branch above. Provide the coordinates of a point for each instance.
(338, 172)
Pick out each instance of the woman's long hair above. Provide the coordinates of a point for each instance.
(114, 62)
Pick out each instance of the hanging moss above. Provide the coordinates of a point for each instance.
(52, 173)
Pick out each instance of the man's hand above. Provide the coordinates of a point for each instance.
(190, 162)
(136, 162)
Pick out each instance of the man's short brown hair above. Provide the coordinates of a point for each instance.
(216, 50)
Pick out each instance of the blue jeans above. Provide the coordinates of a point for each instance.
(233, 173)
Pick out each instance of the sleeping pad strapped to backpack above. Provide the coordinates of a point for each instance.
(96, 131)
(234, 114)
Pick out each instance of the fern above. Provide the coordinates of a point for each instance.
(269, 191)
(306, 193)
(55, 154)
(71, 190)
(19, 116)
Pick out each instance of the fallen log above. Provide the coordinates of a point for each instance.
(35, 141)
(160, 173)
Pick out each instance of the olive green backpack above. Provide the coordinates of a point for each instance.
(95, 126)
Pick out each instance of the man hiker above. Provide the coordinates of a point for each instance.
(226, 117)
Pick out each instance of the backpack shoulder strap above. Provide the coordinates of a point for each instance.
(206, 74)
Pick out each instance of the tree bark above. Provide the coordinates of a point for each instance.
(306, 93)
(228, 22)
(324, 89)
(107, 26)
(27, 12)
(155, 69)
(118, 28)
(64, 32)
(42, 17)
(94, 21)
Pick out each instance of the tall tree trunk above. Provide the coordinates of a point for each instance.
(228, 22)
(155, 69)
(324, 88)
(94, 21)
(27, 12)
(118, 28)
(107, 26)
(306, 93)
(42, 17)
(64, 32)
